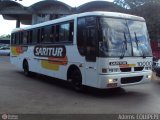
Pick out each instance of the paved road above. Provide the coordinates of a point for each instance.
(39, 94)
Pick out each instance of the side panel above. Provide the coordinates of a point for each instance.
(58, 66)
(46, 58)
(50, 66)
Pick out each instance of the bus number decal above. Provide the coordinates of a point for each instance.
(142, 64)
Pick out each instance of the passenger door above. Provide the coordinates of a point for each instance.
(90, 57)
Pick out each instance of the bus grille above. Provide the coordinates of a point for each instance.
(125, 69)
(138, 68)
(131, 79)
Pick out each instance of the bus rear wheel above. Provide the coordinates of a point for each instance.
(76, 79)
(26, 68)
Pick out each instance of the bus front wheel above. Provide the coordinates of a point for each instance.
(76, 79)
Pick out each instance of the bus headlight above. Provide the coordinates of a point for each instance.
(112, 81)
(149, 76)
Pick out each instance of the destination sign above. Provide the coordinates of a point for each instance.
(118, 63)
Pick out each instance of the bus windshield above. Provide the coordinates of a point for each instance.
(124, 38)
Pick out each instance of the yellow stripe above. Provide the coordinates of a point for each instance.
(132, 65)
(47, 65)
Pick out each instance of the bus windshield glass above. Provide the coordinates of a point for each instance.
(121, 37)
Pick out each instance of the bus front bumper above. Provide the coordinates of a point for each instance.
(120, 80)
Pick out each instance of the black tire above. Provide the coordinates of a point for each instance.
(75, 78)
(26, 68)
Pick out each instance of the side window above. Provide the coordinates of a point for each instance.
(12, 38)
(91, 44)
(91, 41)
(25, 36)
(17, 38)
(42, 35)
(64, 32)
(81, 35)
(87, 37)
(57, 34)
(29, 36)
(38, 35)
(21, 38)
(71, 31)
(47, 31)
(52, 33)
(34, 36)
(90, 21)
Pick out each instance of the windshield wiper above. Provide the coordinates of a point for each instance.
(137, 43)
(124, 46)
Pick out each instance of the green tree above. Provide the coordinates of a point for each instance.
(149, 9)
(5, 36)
(130, 4)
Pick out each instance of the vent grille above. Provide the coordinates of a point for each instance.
(127, 80)
(125, 69)
(138, 68)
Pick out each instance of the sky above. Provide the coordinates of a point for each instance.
(7, 25)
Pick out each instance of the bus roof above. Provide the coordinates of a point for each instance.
(94, 13)
(112, 14)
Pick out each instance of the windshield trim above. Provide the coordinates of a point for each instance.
(121, 18)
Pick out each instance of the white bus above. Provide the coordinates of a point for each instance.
(97, 49)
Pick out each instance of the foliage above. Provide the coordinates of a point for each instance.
(5, 36)
(149, 9)
(134, 3)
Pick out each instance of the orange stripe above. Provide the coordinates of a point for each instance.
(124, 66)
(58, 61)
